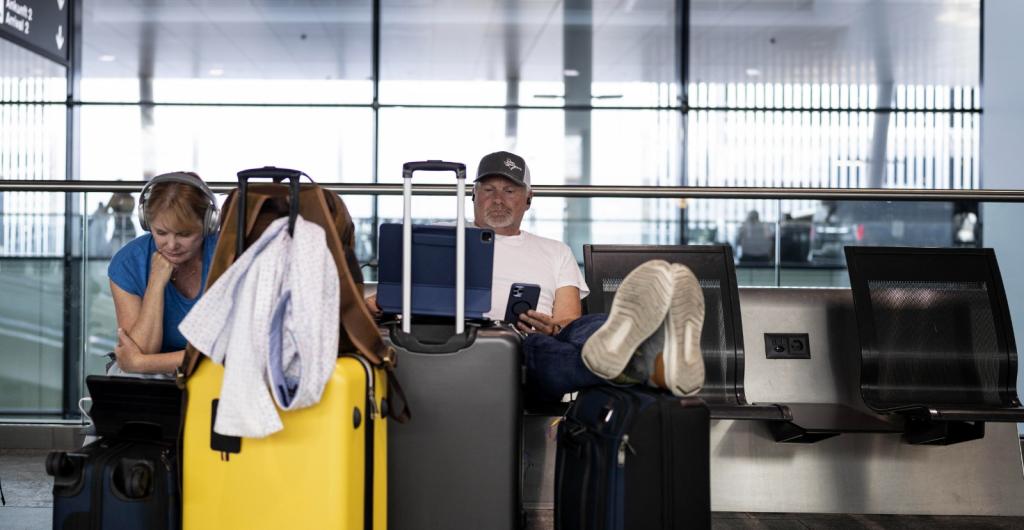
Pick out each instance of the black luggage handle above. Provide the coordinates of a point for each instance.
(458, 168)
(267, 172)
(270, 172)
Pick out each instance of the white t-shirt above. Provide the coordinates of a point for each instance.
(529, 258)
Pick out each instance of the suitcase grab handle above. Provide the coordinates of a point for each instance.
(270, 172)
(458, 168)
(267, 172)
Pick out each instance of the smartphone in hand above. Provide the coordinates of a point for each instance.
(521, 298)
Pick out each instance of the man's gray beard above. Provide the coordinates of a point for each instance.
(498, 220)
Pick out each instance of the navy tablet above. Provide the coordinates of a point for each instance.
(433, 270)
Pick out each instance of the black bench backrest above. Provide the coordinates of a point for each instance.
(934, 328)
(722, 337)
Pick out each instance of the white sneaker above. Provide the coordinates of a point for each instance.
(639, 308)
(684, 364)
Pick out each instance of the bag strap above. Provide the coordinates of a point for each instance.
(356, 320)
(359, 326)
(399, 409)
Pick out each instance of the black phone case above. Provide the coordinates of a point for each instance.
(521, 297)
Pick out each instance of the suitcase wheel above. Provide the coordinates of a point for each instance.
(58, 464)
(134, 478)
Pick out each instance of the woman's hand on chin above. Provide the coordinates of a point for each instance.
(160, 268)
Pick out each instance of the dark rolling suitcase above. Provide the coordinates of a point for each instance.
(455, 464)
(129, 477)
(633, 458)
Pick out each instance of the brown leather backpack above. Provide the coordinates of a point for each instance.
(358, 331)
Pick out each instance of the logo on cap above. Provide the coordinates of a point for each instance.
(511, 165)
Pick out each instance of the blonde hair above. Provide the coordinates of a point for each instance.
(186, 204)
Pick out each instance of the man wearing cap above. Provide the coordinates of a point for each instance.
(501, 196)
(650, 336)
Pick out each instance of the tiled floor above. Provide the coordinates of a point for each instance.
(26, 488)
(542, 520)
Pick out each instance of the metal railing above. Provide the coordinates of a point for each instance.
(648, 192)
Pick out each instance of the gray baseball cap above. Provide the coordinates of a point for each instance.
(504, 164)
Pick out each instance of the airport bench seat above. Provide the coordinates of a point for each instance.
(936, 341)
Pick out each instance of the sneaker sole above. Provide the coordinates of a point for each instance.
(640, 306)
(684, 363)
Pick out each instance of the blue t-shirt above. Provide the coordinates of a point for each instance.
(129, 270)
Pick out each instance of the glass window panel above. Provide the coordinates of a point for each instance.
(361, 208)
(33, 140)
(109, 223)
(31, 335)
(29, 77)
(227, 52)
(604, 52)
(252, 90)
(31, 312)
(623, 221)
(31, 224)
(99, 315)
(330, 144)
(33, 117)
(836, 53)
(835, 149)
(814, 233)
(806, 238)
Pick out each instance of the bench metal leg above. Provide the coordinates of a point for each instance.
(925, 431)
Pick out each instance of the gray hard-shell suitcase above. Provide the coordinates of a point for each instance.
(455, 464)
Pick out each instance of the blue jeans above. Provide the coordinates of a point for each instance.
(554, 365)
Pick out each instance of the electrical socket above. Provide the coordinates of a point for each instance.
(776, 345)
(787, 346)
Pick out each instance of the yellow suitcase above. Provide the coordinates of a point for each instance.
(311, 474)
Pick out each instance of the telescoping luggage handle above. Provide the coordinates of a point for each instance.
(277, 174)
(460, 239)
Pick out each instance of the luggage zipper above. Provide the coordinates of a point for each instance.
(624, 445)
(371, 393)
(165, 459)
(629, 405)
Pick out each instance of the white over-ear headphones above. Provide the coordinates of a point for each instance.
(209, 217)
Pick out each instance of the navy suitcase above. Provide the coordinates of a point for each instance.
(129, 477)
(455, 463)
(114, 485)
(633, 458)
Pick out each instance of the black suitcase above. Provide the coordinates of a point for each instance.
(631, 458)
(455, 464)
(129, 477)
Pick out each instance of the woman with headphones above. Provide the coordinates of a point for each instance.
(156, 278)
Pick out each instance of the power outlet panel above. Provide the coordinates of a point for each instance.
(787, 346)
